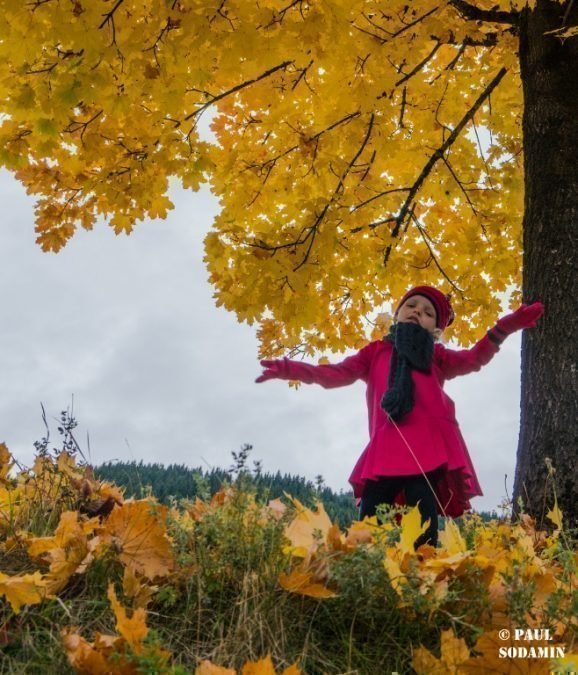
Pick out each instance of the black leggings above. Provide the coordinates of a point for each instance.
(416, 489)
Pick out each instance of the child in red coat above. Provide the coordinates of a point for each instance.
(416, 453)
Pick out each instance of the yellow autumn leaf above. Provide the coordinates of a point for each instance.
(265, 667)
(451, 539)
(454, 652)
(555, 516)
(133, 630)
(493, 655)
(411, 528)
(23, 589)
(6, 462)
(136, 588)
(69, 551)
(307, 529)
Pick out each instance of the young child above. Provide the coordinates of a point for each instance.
(416, 453)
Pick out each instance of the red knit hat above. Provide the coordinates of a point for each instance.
(444, 312)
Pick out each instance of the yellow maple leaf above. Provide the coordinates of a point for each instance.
(494, 657)
(454, 652)
(307, 529)
(262, 667)
(24, 589)
(451, 538)
(133, 630)
(411, 529)
(555, 515)
(6, 462)
(68, 551)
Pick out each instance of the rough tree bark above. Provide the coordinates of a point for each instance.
(549, 409)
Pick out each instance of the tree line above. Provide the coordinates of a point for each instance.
(178, 481)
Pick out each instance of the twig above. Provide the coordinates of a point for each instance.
(438, 154)
(433, 256)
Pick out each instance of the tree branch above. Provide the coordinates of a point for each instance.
(337, 190)
(433, 256)
(109, 16)
(469, 11)
(438, 154)
(420, 65)
(236, 88)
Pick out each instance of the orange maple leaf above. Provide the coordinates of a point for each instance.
(83, 657)
(454, 652)
(301, 581)
(208, 668)
(265, 667)
(137, 532)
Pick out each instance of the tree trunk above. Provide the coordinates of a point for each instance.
(549, 416)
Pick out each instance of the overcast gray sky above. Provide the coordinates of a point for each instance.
(128, 326)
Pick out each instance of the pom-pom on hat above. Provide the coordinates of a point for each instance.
(444, 312)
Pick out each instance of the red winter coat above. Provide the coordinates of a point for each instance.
(430, 429)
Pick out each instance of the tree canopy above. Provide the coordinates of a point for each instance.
(361, 146)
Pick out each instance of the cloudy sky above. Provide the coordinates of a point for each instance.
(127, 327)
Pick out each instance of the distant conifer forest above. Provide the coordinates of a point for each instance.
(177, 481)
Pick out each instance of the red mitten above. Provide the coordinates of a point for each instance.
(524, 317)
(275, 369)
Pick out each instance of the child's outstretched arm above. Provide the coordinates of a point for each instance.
(461, 362)
(352, 368)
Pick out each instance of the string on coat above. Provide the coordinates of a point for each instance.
(421, 469)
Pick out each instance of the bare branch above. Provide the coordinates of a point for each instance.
(420, 65)
(236, 88)
(474, 13)
(392, 36)
(109, 16)
(268, 165)
(373, 225)
(337, 190)
(76, 125)
(433, 255)
(377, 196)
(400, 123)
(311, 231)
(438, 154)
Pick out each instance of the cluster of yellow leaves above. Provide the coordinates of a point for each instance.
(325, 116)
(107, 655)
(134, 535)
(496, 552)
(131, 531)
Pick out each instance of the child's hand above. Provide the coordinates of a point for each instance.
(524, 317)
(272, 370)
